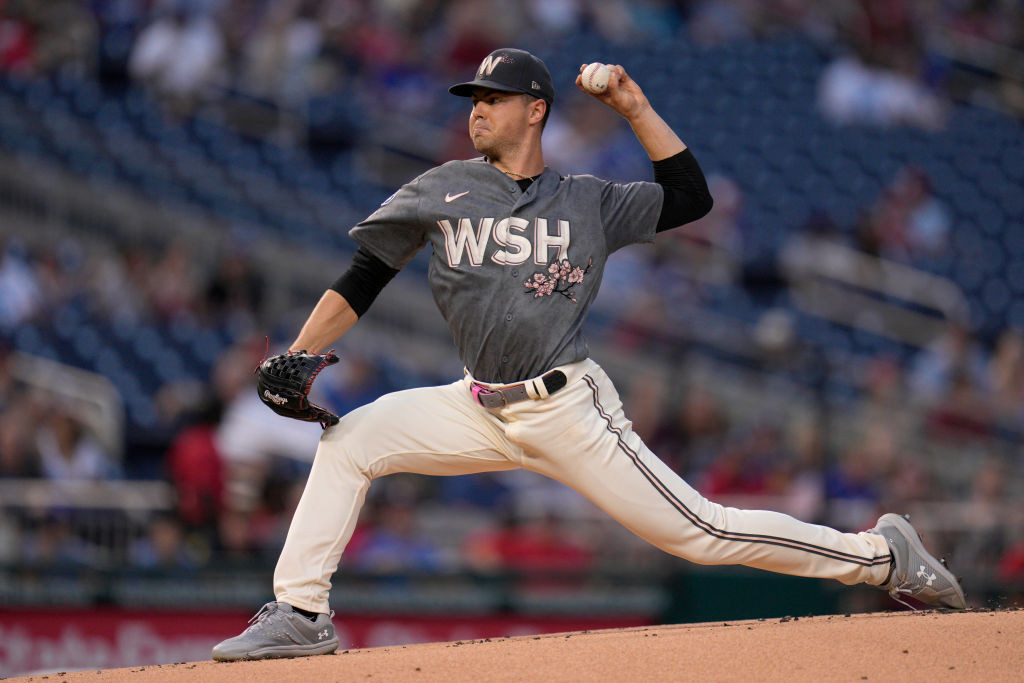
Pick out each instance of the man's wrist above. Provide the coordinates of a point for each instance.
(638, 115)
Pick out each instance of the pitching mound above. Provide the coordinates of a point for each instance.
(909, 646)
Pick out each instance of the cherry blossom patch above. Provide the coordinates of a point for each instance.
(559, 279)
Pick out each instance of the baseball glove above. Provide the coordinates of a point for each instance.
(284, 381)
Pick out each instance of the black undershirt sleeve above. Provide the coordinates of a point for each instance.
(686, 191)
(363, 280)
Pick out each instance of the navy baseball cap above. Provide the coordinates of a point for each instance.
(510, 70)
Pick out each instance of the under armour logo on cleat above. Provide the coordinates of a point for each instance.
(922, 573)
(449, 197)
(321, 635)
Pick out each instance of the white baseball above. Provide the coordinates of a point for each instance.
(595, 78)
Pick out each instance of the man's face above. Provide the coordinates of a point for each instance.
(499, 121)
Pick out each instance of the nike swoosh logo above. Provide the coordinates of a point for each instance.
(449, 197)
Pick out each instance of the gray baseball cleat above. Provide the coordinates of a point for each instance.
(278, 631)
(915, 572)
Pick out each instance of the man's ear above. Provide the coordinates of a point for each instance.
(537, 110)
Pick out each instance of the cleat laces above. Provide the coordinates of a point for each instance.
(257, 619)
(895, 593)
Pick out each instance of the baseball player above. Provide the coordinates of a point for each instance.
(518, 251)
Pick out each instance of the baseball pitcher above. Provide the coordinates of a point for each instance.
(518, 252)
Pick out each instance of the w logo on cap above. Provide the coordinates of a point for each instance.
(521, 72)
(491, 61)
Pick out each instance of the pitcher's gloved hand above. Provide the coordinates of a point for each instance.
(284, 381)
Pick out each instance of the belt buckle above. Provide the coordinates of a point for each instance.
(480, 390)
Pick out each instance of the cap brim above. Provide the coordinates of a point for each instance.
(466, 89)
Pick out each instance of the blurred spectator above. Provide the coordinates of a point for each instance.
(712, 23)
(484, 490)
(68, 451)
(961, 414)
(555, 17)
(269, 522)
(582, 138)
(248, 440)
(10, 539)
(235, 545)
(112, 285)
(175, 402)
(654, 19)
(909, 480)
(355, 381)
(750, 465)
(907, 222)
(172, 281)
(801, 477)
(953, 359)
(195, 468)
(855, 485)
(575, 134)
(18, 457)
(884, 396)
(53, 543)
(277, 58)
(65, 36)
(17, 44)
(471, 30)
(392, 544)
(643, 399)
(178, 55)
(20, 295)
(544, 544)
(885, 29)
(162, 547)
(38, 38)
(9, 386)
(692, 433)
(1006, 379)
(234, 293)
(1010, 568)
(853, 91)
(984, 516)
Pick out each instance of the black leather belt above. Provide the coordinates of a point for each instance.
(499, 397)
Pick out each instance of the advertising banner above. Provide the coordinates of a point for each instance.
(43, 641)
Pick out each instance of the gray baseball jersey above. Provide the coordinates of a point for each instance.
(512, 272)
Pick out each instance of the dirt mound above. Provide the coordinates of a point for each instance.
(972, 645)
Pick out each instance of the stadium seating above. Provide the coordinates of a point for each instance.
(748, 111)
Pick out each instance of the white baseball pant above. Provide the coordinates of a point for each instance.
(578, 436)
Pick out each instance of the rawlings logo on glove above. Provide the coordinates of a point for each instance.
(283, 384)
(274, 398)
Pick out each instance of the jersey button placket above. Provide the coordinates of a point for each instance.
(509, 317)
